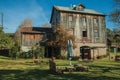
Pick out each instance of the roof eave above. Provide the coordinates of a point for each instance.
(82, 12)
(33, 32)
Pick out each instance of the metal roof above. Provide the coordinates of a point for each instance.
(36, 30)
(87, 11)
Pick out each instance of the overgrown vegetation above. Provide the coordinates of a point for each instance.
(5, 41)
(60, 39)
(113, 38)
(114, 35)
(115, 14)
(38, 51)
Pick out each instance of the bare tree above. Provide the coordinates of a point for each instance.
(60, 38)
(115, 14)
(26, 23)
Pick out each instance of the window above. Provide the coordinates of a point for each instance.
(70, 20)
(84, 21)
(84, 33)
(80, 8)
(95, 22)
(96, 34)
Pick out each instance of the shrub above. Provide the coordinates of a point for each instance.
(76, 58)
(14, 52)
(26, 54)
(63, 57)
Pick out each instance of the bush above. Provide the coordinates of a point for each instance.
(64, 57)
(14, 52)
(76, 58)
(26, 54)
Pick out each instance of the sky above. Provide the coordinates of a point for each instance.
(39, 11)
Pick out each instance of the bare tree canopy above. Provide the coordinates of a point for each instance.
(26, 23)
(115, 14)
(61, 37)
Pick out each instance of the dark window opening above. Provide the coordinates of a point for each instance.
(84, 33)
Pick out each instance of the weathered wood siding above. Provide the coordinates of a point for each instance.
(55, 18)
(31, 39)
(78, 26)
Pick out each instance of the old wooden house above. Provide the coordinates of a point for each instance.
(87, 25)
(31, 36)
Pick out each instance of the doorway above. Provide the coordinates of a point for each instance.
(85, 52)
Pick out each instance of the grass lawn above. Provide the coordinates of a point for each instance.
(25, 69)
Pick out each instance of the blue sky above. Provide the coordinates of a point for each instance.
(39, 11)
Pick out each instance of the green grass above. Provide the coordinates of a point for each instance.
(25, 69)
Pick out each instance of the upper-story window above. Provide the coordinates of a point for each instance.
(84, 30)
(84, 22)
(70, 20)
(95, 22)
(96, 33)
(96, 29)
(84, 33)
(64, 19)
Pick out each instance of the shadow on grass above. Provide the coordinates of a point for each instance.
(105, 68)
(37, 74)
(34, 74)
(4, 57)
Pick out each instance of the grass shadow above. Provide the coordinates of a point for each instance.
(34, 74)
(37, 74)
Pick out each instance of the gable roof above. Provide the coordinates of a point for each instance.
(81, 5)
(87, 11)
(71, 10)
